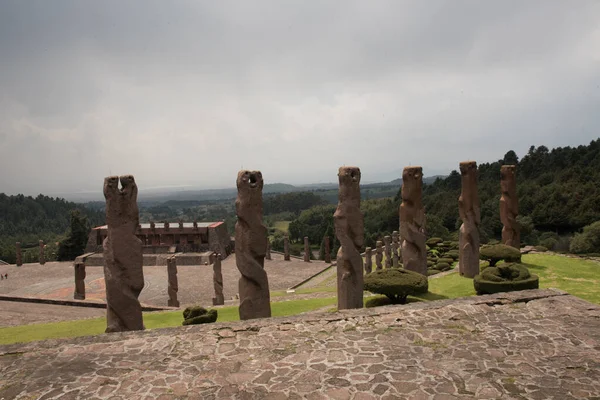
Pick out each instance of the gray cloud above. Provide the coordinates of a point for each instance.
(186, 93)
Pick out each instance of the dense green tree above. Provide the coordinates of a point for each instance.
(76, 240)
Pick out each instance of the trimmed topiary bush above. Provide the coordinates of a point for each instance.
(396, 284)
(505, 278)
(198, 315)
(443, 266)
(434, 241)
(433, 272)
(541, 249)
(498, 252)
(430, 264)
(453, 254)
(445, 260)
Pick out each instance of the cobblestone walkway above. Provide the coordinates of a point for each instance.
(540, 344)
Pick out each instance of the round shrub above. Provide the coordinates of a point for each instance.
(443, 266)
(497, 252)
(506, 277)
(541, 249)
(588, 241)
(396, 284)
(445, 260)
(430, 264)
(432, 272)
(453, 254)
(434, 241)
(198, 315)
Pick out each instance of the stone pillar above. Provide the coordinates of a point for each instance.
(219, 299)
(173, 283)
(388, 251)
(42, 255)
(378, 255)
(251, 246)
(470, 213)
(286, 248)
(19, 254)
(268, 255)
(349, 229)
(327, 250)
(180, 225)
(167, 227)
(509, 206)
(306, 250)
(395, 246)
(79, 269)
(368, 261)
(123, 260)
(412, 221)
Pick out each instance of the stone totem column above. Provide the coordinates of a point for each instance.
(378, 255)
(173, 287)
(412, 221)
(470, 213)
(349, 229)
(388, 251)
(286, 248)
(395, 245)
(251, 246)
(509, 206)
(268, 255)
(80, 274)
(306, 250)
(219, 299)
(42, 255)
(327, 250)
(19, 254)
(368, 261)
(123, 272)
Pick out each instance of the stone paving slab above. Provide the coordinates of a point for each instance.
(538, 344)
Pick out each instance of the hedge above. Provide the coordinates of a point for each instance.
(505, 278)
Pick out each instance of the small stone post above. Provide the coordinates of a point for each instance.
(219, 298)
(327, 250)
(286, 248)
(378, 255)
(388, 251)
(306, 250)
(19, 254)
(80, 274)
(509, 206)
(42, 255)
(368, 261)
(395, 246)
(173, 282)
(268, 255)
(412, 221)
(470, 213)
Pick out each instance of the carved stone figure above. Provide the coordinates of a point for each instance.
(327, 250)
(123, 272)
(219, 298)
(306, 250)
(368, 261)
(395, 245)
(42, 255)
(378, 255)
(509, 206)
(470, 213)
(19, 254)
(268, 255)
(251, 246)
(80, 274)
(412, 221)
(349, 229)
(388, 251)
(286, 248)
(173, 287)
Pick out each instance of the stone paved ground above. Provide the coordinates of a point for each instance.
(539, 344)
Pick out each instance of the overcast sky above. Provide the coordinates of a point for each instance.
(188, 92)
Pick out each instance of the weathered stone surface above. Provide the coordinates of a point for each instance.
(470, 213)
(387, 241)
(509, 206)
(123, 272)
(395, 247)
(349, 229)
(219, 298)
(250, 247)
(79, 269)
(527, 345)
(379, 255)
(286, 248)
(327, 250)
(19, 254)
(368, 260)
(306, 250)
(173, 284)
(268, 253)
(42, 255)
(412, 221)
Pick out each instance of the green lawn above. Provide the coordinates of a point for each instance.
(282, 226)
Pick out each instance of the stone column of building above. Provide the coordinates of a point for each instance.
(251, 246)
(19, 254)
(123, 260)
(379, 255)
(306, 250)
(219, 298)
(268, 255)
(368, 261)
(42, 255)
(509, 206)
(327, 254)
(395, 246)
(349, 229)
(387, 241)
(286, 248)
(173, 283)
(412, 221)
(470, 213)
(79, 269)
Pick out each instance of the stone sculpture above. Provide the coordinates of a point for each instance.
(395, 246)
(327, 250)
(509, 206)
(470, 213)
(80, 274)
(42, 255)
(349, 229)
(268, 255)
(251, 246)
(388, 251)
(286, 248)
(181, 225)
(19, 254)
(368, 261)
(123, 272)
(219, 298)
(306, 250)
(173, 286)
(378, 255)
(412, 221)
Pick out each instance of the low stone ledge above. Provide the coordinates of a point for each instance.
(74, 303)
